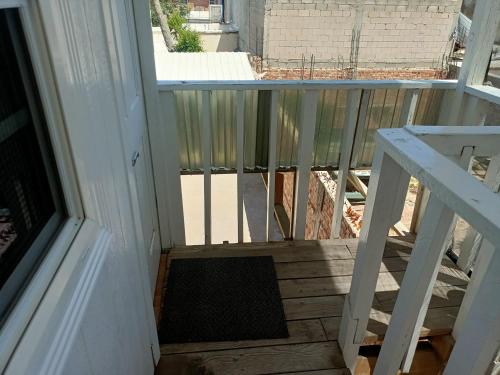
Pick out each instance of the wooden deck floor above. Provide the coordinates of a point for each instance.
(313, 277)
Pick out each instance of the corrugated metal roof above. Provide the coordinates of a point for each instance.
(203, 66)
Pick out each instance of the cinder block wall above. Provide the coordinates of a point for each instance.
(248, 17)
(393, 34)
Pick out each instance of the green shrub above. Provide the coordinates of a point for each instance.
(188, 41)
(175, 22)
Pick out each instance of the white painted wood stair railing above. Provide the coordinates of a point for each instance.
(436, 156)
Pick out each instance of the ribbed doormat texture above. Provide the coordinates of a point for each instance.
(222, 299)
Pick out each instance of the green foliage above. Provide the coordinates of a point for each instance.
(169, 7)
(177, 12)
(189, 41)
(175, 22)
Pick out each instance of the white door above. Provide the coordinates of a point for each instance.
(122, 36)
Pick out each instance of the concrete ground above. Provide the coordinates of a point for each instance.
(224, 210)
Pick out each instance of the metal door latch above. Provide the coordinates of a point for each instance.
(135, 157)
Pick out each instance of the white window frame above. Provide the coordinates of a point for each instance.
(25, 307)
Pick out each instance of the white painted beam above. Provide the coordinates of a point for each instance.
(472, 239)
(477, 54)
(445, 179)
(207, 165)
(271, 169)
(306, 85)
(351, 120)
(168, 171)
(387, 192)
(360, 129)
(306, 141)
(477, 339)
(240, 153)
(409, 107)
(451, 140)
(487, 93)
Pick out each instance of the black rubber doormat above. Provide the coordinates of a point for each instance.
(222, 299)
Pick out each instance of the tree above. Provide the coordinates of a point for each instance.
(163, 21)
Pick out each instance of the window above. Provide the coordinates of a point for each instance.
(31, 204)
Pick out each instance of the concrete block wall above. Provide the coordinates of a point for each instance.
(392, 33)
(248, 17)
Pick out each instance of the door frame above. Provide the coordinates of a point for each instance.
(167, 181)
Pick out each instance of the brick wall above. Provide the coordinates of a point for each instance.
(392, 33)
(372, 74)
(198, 4)
(319, 208)
(287, 201)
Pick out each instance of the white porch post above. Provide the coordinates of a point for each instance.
(473, 239)
(351, 119)
(164, 139)
(477, 339)
(306, 143)
(386, 196)
(477, 56)
(271, 165)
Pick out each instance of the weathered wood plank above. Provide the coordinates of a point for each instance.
(260, 245)
(387, 281)
(320, 268)
(328, 306)
(339, 267)
(321, 372)
(268, 360)
(313, 307)
(301, 331)
(280, 254)
(393, 247)
(438, 321)
(442, 296)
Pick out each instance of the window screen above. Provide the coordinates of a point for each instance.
(30, 208)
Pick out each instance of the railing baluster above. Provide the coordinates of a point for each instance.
(306, 140)
(464, 161)
(271, 168)
(409, 107)
(477, 340)
(170, 177)
(416, 288)
(240, 153)
(360, 127)
(384, 204)
(207, 165)
(473, 238)
(351, 119)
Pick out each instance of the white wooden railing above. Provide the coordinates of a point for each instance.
(438, 157)
(356, 107)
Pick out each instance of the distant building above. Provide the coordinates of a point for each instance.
(342, 34)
